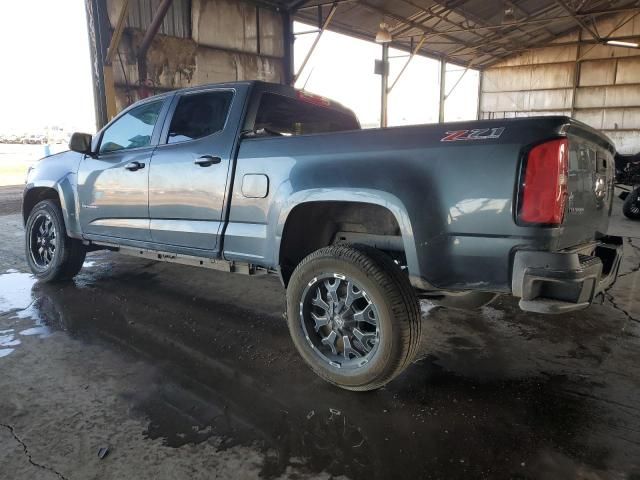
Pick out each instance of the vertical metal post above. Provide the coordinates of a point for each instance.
(287, 57)
(576, 76)
(443, 77)
(98, 29)
(258, 46)
(384, 98)
(107, 69)
(480, 79)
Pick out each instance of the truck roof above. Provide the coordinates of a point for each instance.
(262, 85)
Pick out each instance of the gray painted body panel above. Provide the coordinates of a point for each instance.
(114, 201)
(455, 202)
(59, 172)
(186, 201)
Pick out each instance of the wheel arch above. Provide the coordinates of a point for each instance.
(61, 191)
(314, 214)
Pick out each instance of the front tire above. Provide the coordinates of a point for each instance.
(631, 206)
(353, 316)
(51, 254)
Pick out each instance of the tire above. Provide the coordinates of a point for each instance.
(381, 294)
(631, 206)
(63, 256)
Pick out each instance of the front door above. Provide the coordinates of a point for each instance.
(189, 170)
(113, 187)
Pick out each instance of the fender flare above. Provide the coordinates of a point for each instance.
(65, 189)
(353, 195)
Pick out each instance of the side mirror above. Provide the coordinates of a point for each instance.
(81, 143)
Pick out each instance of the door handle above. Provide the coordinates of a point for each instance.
(133, 166)
(207, 160)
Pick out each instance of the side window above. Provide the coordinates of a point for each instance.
(132, 130)
(198, 115)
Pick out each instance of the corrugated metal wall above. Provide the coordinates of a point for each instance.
(201, 41)
(597, 84)
(177, 22)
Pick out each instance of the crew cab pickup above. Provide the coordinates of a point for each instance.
(258, 178)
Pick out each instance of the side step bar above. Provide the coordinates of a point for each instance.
(190, 260)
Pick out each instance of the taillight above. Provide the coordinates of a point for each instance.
(544, 192)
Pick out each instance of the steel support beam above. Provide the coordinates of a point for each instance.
(154, 26)
(577, 19)
(531, 21)
(287, 60)
(98, 29)
(325, 24)
(480, 83)
(404, 67)
(422, 28)
(576, 78)
(443, 97)
(384, 86)
(107, 69)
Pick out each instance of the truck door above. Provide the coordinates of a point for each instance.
(189, 169)
(113, 187)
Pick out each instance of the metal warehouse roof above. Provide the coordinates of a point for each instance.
(466, 32)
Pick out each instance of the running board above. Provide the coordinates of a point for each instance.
(190, 260)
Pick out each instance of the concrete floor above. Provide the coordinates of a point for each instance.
(184, 373)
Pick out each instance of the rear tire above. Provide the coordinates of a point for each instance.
(631, 206)
(357, 293)
(51, 254)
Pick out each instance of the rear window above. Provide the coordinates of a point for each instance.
(288, 116)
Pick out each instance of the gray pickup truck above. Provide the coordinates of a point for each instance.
(257, 178)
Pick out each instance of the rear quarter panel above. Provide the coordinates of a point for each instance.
(458, 197)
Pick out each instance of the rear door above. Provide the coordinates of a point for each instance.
(189, 170)
(113, 187)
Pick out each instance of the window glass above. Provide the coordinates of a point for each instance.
(132, 130)
(282, 115)
(198, 115)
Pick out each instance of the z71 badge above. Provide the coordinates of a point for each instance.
(475, 134)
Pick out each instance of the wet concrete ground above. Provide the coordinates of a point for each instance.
(184, 373)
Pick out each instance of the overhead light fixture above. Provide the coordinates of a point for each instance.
(618, 43)
(509, 15)
(383, 35)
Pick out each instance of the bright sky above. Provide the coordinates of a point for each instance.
(46, 73)
(46, 70)
(342, 68)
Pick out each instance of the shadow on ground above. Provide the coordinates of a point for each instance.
(159, 358)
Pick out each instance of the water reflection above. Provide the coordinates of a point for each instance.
(225, 374)
(16, 305)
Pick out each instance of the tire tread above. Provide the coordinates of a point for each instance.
(399, 293)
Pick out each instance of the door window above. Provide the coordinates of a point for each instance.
(133, 130)
(198, 115)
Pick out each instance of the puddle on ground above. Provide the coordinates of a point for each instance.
(20, 318)
(15, 290)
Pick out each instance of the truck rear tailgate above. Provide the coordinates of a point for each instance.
(590, 187)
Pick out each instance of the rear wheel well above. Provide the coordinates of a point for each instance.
(36, 195)
(311, 226)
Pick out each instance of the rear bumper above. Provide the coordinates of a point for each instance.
(557, 282)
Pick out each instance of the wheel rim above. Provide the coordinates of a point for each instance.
(43, 241)
(340, 322)
(635, 205)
